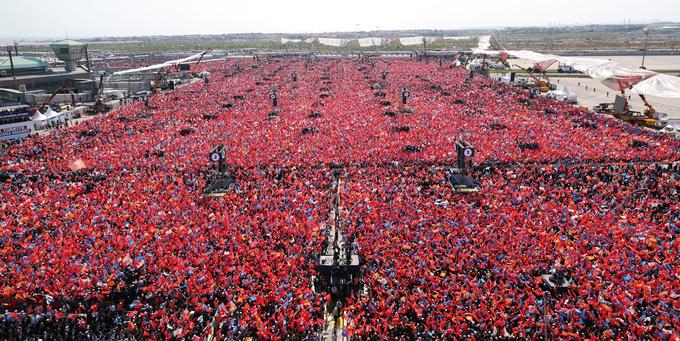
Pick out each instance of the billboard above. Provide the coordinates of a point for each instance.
(620, 104)
(14, 131)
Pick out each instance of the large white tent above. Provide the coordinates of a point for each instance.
(661, 85)
(564, 94)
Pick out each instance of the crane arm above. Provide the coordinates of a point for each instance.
(530, 73)
(157, 80)
(201, 57)
(649, 106)
(46, 102)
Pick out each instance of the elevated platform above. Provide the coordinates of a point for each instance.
(339, 264)
(463, 184)
(555, 282)
(219, 186)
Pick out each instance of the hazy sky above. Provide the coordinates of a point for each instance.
(96, 18)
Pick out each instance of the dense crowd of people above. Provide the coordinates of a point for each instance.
(441, 266)
(127, 62)
(128, 246)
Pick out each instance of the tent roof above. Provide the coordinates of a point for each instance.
(49, 113)
(38, 116)
(22, 62)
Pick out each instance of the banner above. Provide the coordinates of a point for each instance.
(15, 131)
(408, 41)
(371, 41)
(285, 41)
(333, 41)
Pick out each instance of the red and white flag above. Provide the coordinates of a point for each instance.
(504, 56)
(545, 64)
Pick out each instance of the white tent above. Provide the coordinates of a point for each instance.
(567, 92)
(661, 85)
(38, 120)
(371, 41)
(49, 113)
(38, 116)
(53, 117)
(564, 94)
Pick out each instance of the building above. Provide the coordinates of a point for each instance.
(23, 65)
(69, 51)
(33, 74)
(10, 97)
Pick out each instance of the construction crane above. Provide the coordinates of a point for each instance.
(650, 112)
(48, 100)
(542, 84)
(100, 88)
(547, 79)
(647, 119)
(156, 83)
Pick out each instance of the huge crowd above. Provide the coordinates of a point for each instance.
(127, 62)
(128, 247)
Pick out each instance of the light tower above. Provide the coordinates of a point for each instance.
(644, 49)
(69, 51)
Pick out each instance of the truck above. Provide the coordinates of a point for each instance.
(565, 69)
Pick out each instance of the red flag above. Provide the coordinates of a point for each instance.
(504, 56)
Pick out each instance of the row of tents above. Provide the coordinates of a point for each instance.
(49, 118)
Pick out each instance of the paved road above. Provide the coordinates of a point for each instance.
(590, 98)
(601, 93)
(597, 93)
(651, 62)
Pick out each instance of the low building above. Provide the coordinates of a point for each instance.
(11, 97)
(23, 65)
